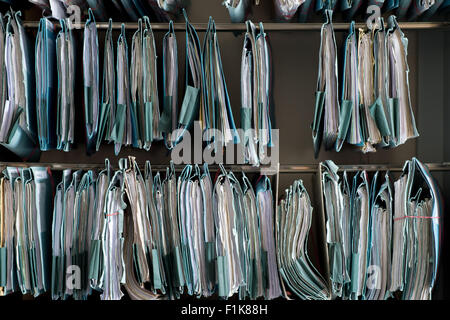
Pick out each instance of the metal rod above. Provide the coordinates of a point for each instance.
(233, 27)
(444, 166)
(100, 166)
(312, 168)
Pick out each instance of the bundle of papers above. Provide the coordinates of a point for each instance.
(192, 105)
(350, 119)
(144, 85)
(218, 114)
(18, 130)
(165, 236)
(127, 110)
(72, 228)
(383, 237)
(246, 256)
(325, 125)
(46, 84)
(375, 106)
(399, 97)
(51, 120)
(26, 198)
(91, 82)
(66, 66)
(168, 121)
(124, 131)
(294, 218)
(108, 109)
(154, 237)
(256, 111)
(417, 232)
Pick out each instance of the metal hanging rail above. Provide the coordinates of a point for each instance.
(233, 27)
(312, 168)
(444, 166)
(101, 166)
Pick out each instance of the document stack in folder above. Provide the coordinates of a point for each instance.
(91, 82)
(72, 228)
(108, 110)
(144, 85)
(26, 198)
(18, 130)
(256, 95)
(192, 105)
(124, 131)
(66, 65)
(46, 84)
(294, 218)
(375, 106)
(218, 114)
(383, 236)
(325, 125)
(165, 236)
(168, 121)
(155, 237)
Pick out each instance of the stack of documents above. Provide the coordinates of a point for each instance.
(294, 218)
(335, 212)
(18, 130)
(144, 85)
(266, 213)
(108, 110)
(325, 125)
(72, 228)
(416, 232)
(91, 82)
(126, 110)
(382, 114)
(124, 128)
(349, 117)
(46, 84)
(54, 70)
(163, 238)
(192, 100)
(369, 112)
(375, 105)
(168, 121)
(216, 102)
(8, 275)
(383, 237)
(3, 78)
(26, 213)
(66, 65)
(399, 97)
(197, 235)
(256, 110)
